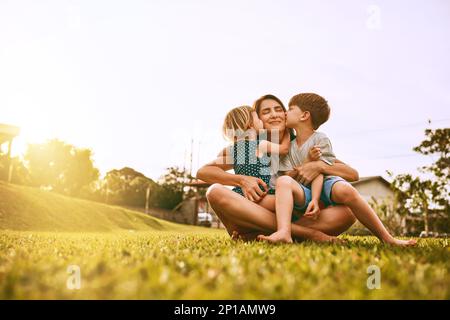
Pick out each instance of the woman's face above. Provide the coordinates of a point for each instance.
(272, 115)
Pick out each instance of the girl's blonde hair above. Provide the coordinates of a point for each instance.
(237, 122)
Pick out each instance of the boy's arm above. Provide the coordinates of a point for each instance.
(313, 209)
(316, 187)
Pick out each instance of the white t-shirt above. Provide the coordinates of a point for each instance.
(298, 155)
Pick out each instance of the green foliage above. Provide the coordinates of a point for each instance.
(129, 187)
(60, 167)
(166, 196)
(172, 188)
(417, 195)
(20, 173)
(437, 142)
(386, 210)
(208, 265)
(126, 187)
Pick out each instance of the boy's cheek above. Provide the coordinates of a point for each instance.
(288, 121)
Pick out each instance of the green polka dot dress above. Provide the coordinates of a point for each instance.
(245, 162)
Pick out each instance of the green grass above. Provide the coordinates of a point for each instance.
(208, 265)
(126, 255)
(32, 209)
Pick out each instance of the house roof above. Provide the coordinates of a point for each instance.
(372, 178)
(198, 183)
(8, 132)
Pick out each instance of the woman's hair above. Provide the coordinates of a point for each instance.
(237, 122)
(257, 103)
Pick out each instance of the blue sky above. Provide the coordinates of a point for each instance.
(135, 81)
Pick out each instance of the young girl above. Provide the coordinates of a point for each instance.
(249, 153)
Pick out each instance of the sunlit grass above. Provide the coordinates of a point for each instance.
(208, 265)
(123, 254)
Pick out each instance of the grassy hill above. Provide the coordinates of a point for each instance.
(31, 209)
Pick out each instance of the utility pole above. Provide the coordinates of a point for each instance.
(198, 154)
(10, 165)
(147, 198)
(192, 151)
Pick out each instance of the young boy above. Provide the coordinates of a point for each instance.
(307, 112)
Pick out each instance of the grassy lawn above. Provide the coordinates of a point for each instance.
(124, 254)
(206, 264)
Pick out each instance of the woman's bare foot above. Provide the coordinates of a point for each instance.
(277, 237)
(319, 236)
(235, 236)
(402, 243)
(246, 237)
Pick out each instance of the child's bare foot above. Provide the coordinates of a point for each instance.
(277, 237)
(402, 243)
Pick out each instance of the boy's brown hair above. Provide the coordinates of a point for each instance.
(316, 106)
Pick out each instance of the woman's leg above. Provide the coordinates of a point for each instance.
(332, 220)
(343, 192)
(241, 215)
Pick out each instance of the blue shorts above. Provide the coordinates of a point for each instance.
(325, 195)
(308, 197)
(302, 208)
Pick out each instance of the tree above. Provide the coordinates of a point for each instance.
(173, 188)
(417, 195)
(127, 187)
(20, 174)
(60, 167)
(176, 178)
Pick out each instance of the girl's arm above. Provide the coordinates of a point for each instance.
(266, 147)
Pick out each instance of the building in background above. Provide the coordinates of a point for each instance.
(375, 187)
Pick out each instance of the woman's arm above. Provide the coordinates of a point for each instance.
(215, 172)
(309, 171)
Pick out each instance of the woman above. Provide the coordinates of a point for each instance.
(244, 217)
